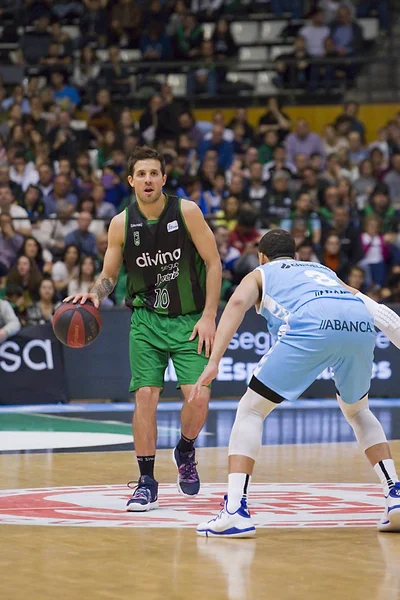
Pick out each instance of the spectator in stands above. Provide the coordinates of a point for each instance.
(245, 238)
(86, 204)
(229, 257)
(241, 117)
(393, 136)
(42, 310)
(34, 44)
(279, 163)
(154, 43)
(66, 96)
(303, 141)
(126, 23)
(63, 139)
(104, 210)
(191, 190)
(94, 23)
(224, 149)
(216, 194)
(188, 38)
(21, 222)
(206, 9)
(278, 203)
(101, 248)
(22, 172)
(365, 183)
(380, 206)
(305, 252)
(67, 269)
(256, 190)
(82, 237)
(85, 280)
(350, 112)
(312, 184)
(348, 234)
(274, 120)
(148, 121)
(331, 7)
(26, 274)
(392, 180)
(237, 187)
(114, 74)
(14, 117)
(333, 257)
(45, 182)
(116, 191)
(357, 152)
(267, 147)
(228, 216)
(61, 193)
(356, 278)
(290, 74)
(56, 57)
(53, 230)
(224, 44)
(303, 210)
(34, 251)
(168, 116)
(329, 202)
(33, 203)
(379, 163)
(9, 323)
(14, 187)
(348, 38)
(17, 97)
(37, 115)
(331, 141)
(10, 242)
(86, 71)
(376, 251)
(315, 33)
(204, 80)
(62, 38)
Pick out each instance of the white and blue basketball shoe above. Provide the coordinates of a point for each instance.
(145, 495)
(235, 525)
(391, 517)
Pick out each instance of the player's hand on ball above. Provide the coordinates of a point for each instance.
(209, 373)
(82, 298)
(205, 329)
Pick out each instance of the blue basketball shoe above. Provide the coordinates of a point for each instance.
(188, 477)
(236, 525)
(145, 495)
(391, 517)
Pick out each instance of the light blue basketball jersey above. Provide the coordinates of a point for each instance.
(288, 284)
(316, 324)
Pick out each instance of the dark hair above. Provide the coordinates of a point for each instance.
(277, 243)
(86, 257)
(145, 153)
(76, 248)
(39, 256)
(35, 277)
(13, 289)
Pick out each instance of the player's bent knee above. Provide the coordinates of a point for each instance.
(366, 427)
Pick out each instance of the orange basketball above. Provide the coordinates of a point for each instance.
(77, 325)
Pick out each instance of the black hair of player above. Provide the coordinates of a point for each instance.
(145, 153)
(277, 243)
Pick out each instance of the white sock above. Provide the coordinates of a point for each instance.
(238, 484)
(386, 472)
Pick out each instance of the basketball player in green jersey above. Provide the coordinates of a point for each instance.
(173, 287)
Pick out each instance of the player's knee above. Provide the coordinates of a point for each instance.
(202, 399)
(352, 410)
(252, 402)
(146, 398)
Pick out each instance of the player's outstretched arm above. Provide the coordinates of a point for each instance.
(384, 317)
(246, 295)
(106, 281)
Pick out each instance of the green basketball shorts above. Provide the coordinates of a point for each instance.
(153, 339)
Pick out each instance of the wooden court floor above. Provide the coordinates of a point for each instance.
(74, 563)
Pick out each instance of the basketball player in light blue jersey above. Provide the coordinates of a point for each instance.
(317, 322)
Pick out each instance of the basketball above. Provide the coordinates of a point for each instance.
(77, 325)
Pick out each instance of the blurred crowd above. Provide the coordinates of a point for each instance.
(60, 187)
(163, 30)
(62, 179)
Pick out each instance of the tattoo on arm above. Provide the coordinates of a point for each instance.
(103, 286)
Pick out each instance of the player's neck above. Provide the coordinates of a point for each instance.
(154, 210)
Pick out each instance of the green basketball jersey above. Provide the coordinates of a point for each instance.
(166, 274)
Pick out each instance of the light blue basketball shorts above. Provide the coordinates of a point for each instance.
(323, 333)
